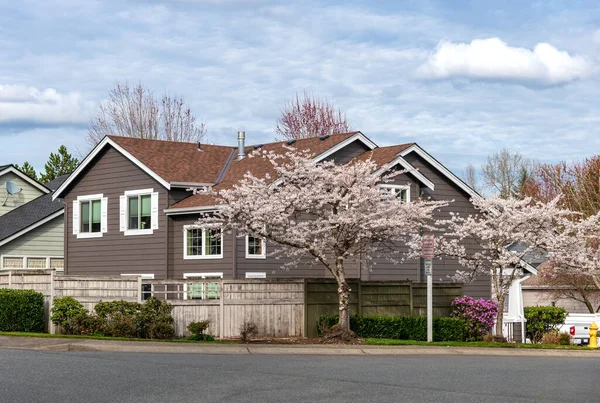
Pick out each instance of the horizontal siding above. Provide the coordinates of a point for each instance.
(445, 189)
(43, 241)
(114, 253)
(545, 298)
(28, 193)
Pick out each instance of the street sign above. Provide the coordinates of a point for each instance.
(428, 267)
(427, 246)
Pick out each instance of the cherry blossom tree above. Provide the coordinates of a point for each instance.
(310, 116)
(509, 234)
(576, 250)
(332, 214)
(563, 283)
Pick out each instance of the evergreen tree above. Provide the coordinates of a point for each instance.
(59, 164)
(28, 170)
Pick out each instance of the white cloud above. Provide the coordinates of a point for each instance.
(493, 59)
(21, 104)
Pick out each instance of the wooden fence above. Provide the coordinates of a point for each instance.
(279, 307)
(376, 298)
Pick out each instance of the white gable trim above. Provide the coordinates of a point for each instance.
(107, 141)
(32, 227)
(358, 136)
(437, 165)
(26, 178)
(411, 170)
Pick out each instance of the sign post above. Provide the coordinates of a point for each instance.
(427, 251)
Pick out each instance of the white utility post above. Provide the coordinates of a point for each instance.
(427, 248)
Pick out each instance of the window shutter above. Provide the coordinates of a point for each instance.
(154, 210)
(75, 217)
(104, 215)
(122, 213)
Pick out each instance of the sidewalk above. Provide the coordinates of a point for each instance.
(58, 344)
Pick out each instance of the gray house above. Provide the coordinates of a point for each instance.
(31, 223)
(131, 206)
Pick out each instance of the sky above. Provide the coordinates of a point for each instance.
(463, 79)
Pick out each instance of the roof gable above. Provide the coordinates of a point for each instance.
(4, 169)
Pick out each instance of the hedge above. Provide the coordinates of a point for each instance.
(400, 327)
(21, 311)
(542, 320)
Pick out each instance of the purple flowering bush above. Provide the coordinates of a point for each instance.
(478, 315)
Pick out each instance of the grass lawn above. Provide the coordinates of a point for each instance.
(74, 336)
(392, 342)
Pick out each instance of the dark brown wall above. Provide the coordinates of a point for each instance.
(114, 253)
(349, 152)
(447, 190)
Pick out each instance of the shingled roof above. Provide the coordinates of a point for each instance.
(31, 213)
(261, 167)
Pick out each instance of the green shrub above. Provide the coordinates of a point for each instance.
(202, 337)
(115, 319)
(565, 339)
(162, 330)
(152, 313)
(543, 319)
(21, 311)
(198, 328)
(69, 314)
(400, 327)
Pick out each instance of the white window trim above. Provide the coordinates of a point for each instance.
(402, 187)
(256, 274)
(138, 192)
(200, 276)
(88, 198)
(25, 258)
(199, 257)
(264, 250)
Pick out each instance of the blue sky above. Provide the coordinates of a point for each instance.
(462, 78)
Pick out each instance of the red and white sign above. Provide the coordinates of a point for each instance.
(427, 246)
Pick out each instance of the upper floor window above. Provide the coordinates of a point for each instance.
(90, 216)
(199, 243)
(255, 247)
(139, 212)
(400, 191)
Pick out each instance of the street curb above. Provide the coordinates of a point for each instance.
(90, 345)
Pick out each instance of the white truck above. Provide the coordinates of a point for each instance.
(578, 326)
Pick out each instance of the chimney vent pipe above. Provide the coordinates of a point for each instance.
(241, 145)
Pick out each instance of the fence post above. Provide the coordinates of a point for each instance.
(51, 328)
(411, 299)
(139, 289)
(222, 309)
(360, 301)
(305, 311)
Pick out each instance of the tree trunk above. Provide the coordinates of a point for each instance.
(500, 315)
(343, 298)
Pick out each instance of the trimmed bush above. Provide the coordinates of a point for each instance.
(70, 315)
(478, 316)
(542, 320)
(400, 327)
(21, 311)
(153, 319)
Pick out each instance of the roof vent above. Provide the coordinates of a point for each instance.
(290, 142)
(200, 147)
(257, 146)
(325, 137)
(241, 145)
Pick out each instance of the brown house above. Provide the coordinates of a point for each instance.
(131, 206)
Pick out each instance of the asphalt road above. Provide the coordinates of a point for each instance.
(42, 376)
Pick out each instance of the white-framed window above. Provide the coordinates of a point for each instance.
(256, 274)
(255, 247)
(146, 288)
(199, 243)
(138, 212)
(400, 191)
(90, 216)
(32, 262)
(202, 289)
